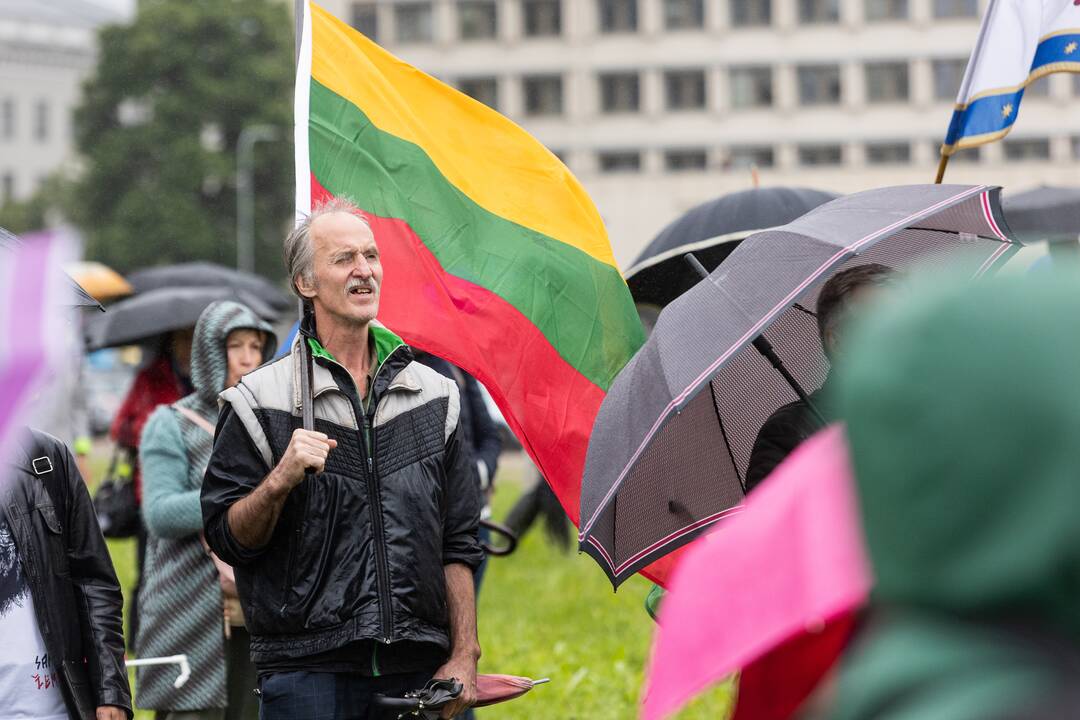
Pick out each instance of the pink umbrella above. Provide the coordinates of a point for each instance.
(492, 689)
(772, 591)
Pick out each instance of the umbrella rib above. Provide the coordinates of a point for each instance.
(727, 444)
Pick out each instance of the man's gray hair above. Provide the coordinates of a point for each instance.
(299, 252)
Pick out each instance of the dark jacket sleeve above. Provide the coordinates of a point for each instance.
(486, 441)
(97, 594)
(234, 470)
(778, 437)
(462, 503)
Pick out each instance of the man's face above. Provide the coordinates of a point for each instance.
(858, 299)
(347, 270)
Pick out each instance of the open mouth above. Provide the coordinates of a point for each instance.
(362, 291)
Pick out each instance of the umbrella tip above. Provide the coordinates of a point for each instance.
(541, 681)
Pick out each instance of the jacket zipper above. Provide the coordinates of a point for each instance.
(381, 570)
(382, 575)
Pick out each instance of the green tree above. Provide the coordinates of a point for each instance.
(158, 128)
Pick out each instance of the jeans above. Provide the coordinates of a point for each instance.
(331, 696)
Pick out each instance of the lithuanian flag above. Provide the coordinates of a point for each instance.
(494, 256)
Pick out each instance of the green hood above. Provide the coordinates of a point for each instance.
(962, 403)
(963, 412)
(209, 360)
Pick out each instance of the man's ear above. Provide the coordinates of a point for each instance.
(306, 289)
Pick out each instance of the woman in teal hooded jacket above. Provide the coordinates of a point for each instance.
(962, 403)
(181, 600)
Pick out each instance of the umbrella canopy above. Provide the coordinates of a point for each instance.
(204, 274)
(98, 280)
(711, 231)
(156, 312)
(1045, 213)
(667, 460)
(796, 555)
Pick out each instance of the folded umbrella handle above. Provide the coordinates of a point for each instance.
(507, 533)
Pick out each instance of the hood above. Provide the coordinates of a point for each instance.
(209, 361)
(962, 405)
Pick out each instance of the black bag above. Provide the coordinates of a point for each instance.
(114, 502)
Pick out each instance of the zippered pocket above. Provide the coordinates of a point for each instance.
(295, 544)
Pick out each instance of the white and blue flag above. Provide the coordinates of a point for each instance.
(1019, 42)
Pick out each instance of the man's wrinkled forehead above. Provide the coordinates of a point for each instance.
(341, 231)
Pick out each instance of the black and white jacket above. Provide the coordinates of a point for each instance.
(359, 549)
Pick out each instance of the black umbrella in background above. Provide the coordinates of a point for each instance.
(1045, 213)
(667, 459)
(149, 314)
(711, 231)
(205, 274)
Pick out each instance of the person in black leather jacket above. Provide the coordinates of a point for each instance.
(55, 550)
(793, 423)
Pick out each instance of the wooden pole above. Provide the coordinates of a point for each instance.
(941, 169)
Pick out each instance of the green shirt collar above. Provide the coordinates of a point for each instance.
(386, 342)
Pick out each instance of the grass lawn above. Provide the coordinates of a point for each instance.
(544, 614)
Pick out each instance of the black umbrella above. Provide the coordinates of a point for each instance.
(79, 296)
(204, 274)
(153, 313)
(711, 231)
(667, 460)
(1045, 213)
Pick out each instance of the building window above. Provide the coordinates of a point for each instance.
(878, 10)
(684, 14)
(685, 89)
(1075, 141)
(365, 18)
(948, 74)
(414, 22)
(7, 187)
(7, 119)
(618, 16)
(619, 161)
(1038, 89)
(484, 89)
(956, 8)
(819, 11)
(543, 18)
(620, 92)
(751, 13)
(41, 120)
(685, 159)
(744, 156)
(751, 87)
(543, 95)
(477, 19)
(886, 82)
(893, 153)
(819, 84)
(812, 155)
(1031, 149)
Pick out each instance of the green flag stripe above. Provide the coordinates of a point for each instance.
(581, 305)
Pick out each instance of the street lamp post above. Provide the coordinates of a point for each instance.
(245, 192)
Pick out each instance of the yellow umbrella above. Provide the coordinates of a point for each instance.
(100, 280)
